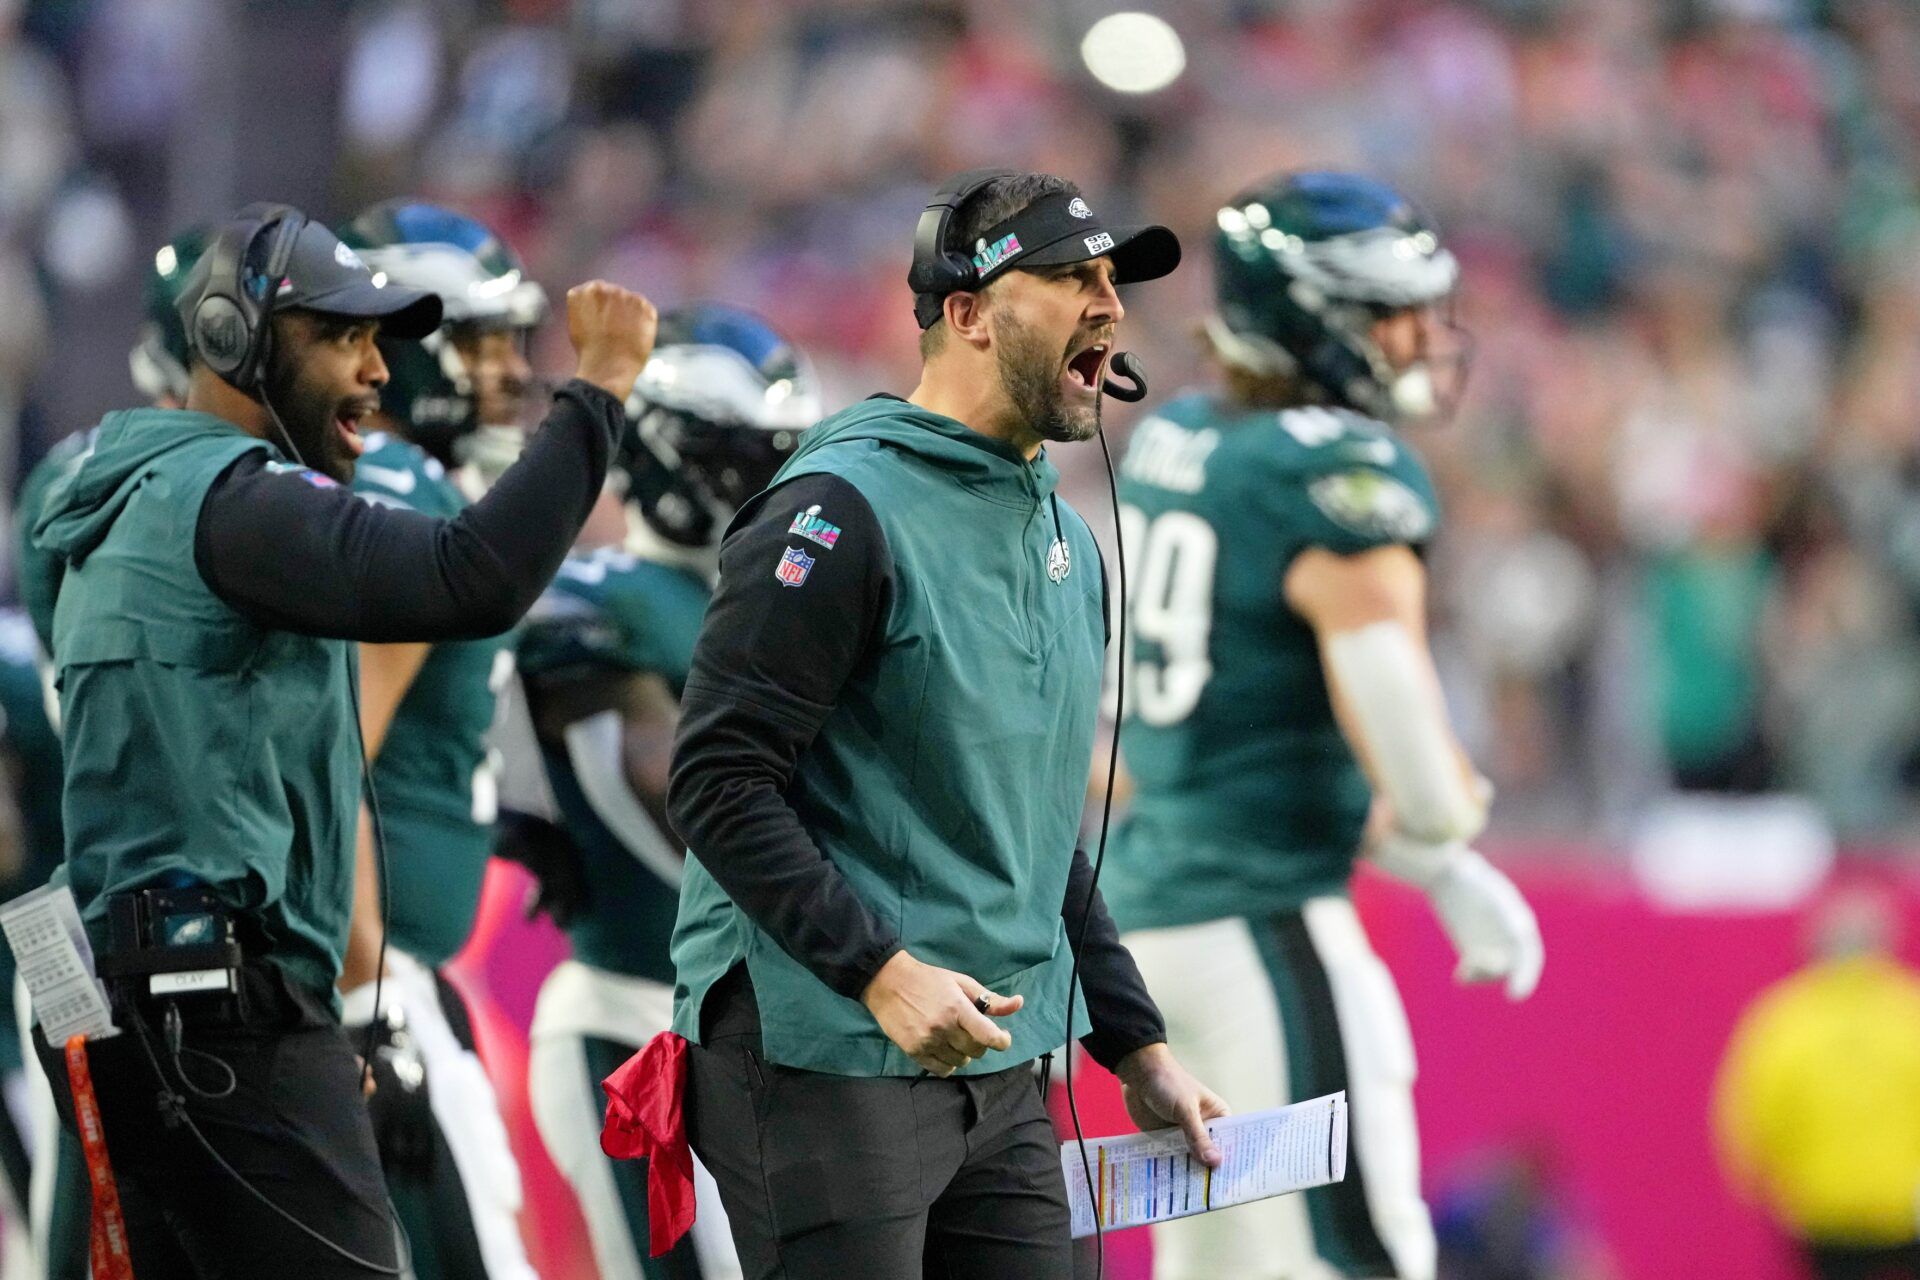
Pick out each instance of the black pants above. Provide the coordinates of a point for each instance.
(1845, 1262)
(294, 1126)
(878, 1178)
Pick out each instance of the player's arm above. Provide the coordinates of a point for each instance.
(402, 1117)
(616, 729)
(386, 673)
(1368, 613)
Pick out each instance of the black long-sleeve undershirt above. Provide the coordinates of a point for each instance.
(767, 671)
(296, 555)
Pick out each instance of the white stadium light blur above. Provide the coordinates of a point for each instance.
(1134, 52)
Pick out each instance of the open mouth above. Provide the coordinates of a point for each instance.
(348, 426)
(1085, 369)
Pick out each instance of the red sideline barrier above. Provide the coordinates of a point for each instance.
(1610, 1066)
(1607, 1069)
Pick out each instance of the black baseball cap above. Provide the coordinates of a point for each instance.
(1057, 230)
(323, 275)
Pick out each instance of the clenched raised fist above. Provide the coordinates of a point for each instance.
(612, 331)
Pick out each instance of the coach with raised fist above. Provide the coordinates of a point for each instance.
(216, 569)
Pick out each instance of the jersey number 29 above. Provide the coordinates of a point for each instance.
(1172, 607)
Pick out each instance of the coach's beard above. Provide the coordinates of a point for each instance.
(310, 416)
(1031, 374)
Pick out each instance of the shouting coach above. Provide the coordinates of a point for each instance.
(884, 749)
(216, 567)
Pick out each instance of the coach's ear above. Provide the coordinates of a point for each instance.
(965, 312)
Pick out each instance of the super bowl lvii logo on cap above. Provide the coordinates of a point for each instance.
(988, 256)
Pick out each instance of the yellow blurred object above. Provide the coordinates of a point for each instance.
(1817, 1108)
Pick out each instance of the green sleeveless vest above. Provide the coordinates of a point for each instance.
(947, 784)
(197, 743)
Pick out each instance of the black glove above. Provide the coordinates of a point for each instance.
(402, 1112)
(551, 855)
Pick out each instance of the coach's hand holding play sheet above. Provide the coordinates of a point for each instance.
(1153, 1177)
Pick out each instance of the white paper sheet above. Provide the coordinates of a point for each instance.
(56, 961)
(1151, 1177)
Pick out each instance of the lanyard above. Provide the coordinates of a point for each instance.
(112, 1259)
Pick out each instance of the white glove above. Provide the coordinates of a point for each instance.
(1492, 928)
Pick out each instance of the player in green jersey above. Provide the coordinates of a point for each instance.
(717, 409)
(451, 423)
(158, 366)
(1283, 717)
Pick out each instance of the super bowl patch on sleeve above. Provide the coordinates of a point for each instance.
(1373, 505)
(794, 567)
(814, 527)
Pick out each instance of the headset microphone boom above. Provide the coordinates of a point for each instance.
(1126, 365)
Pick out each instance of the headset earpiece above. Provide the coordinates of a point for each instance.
(938, 269)
(221, 334)
(230, 329)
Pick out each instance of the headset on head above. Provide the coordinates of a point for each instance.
(229, 329)
(937, 269)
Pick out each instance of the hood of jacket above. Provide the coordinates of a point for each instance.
(991, 467)
(80, 507)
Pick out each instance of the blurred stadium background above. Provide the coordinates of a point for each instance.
(1680, 584)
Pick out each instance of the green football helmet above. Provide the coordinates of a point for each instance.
(1304, 263)
(158, 361)
(719, 407)
(481, 283)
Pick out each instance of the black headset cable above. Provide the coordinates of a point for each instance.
(1099, 860)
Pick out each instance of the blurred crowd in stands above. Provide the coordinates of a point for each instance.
(1683, 493)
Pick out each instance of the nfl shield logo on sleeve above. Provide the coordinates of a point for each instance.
(793, 567)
